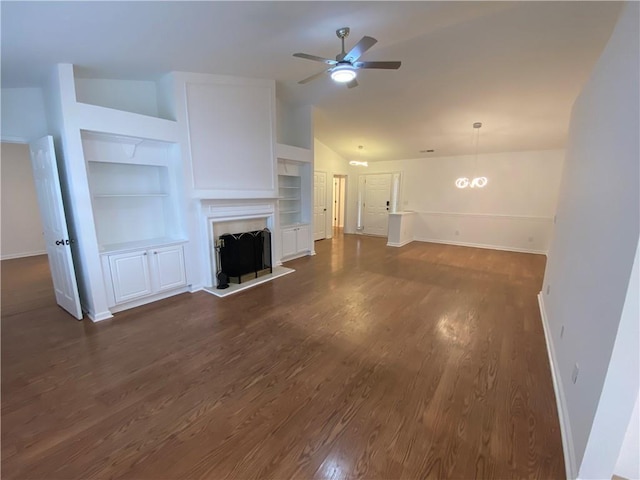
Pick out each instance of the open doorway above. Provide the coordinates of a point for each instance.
(339, 203)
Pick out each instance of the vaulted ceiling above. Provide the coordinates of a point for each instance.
(515, 66)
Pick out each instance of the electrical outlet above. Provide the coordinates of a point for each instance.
(530, 239)
(555, 218)
(457, 232)
(574, 374)
(548, 289)
(562, 331)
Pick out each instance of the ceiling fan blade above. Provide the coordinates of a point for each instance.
(313, 77)
(362, 46)
(315, 58)
(383, 65)
(353, 83)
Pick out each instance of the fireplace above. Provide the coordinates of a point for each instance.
(226, 217)
(243, 256)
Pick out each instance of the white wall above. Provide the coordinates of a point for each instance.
(628, 464)
(513, 212)
(22, 233)
(326, 160)
(128, 95)
(592, 251)
(23, 114)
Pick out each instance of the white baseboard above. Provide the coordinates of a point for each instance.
(145, 300)
(11, 256)
(401, 244)
(563, 414)
(98, 317)
(482, 245)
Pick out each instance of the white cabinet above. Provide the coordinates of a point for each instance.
(143, 273)
(167, 268)
(295, 241)
(130, 275)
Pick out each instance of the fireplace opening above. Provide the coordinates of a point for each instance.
(243, 256)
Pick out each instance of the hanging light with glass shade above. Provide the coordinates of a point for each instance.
(476, 182)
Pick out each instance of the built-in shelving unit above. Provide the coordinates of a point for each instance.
(133, 191)
(289, 191)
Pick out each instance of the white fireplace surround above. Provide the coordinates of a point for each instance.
(215, 212)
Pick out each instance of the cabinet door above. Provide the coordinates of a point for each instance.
(289, 242)
(302, 238)
(130, 275)
(168, 268)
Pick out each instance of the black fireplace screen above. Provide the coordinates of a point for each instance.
(245, 253)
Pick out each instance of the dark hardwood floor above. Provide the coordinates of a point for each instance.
(426, 361)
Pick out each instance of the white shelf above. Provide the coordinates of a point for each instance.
(129, 195)
(133, 192)
(289, 190)
(140, 244)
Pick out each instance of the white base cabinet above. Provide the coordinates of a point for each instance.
(144, 273)
(295, 241)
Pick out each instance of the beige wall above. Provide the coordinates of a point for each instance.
(21, 225)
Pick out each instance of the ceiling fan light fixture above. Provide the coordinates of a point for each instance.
(343, 73)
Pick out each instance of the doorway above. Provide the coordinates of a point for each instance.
(376, 201)
(319, 205)
(339, 203)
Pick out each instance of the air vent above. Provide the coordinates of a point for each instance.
(427, 151)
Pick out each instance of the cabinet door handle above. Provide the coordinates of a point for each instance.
(144, 253)
(155, 253)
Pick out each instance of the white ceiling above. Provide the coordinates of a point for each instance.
(515, 66)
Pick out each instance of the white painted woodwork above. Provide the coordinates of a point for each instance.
(319, 205)
(56, 235)
(400, 229)
(130, 275)
(134, 191)
(232, 137)
(145, 272)
(289, 242)
(295, 241)
(297, 154)
(376, 200)
(167, 268)
(290, 199)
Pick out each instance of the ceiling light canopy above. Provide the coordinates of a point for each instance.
(343, 73)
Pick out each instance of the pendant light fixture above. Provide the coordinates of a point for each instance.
(477, 182)
(359, 163)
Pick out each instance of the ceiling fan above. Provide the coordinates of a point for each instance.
(343, 68)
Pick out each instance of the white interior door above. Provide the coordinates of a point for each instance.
(319, 205)
(56, 235)
(376, 200)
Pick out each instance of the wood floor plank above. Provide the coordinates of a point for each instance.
(426, 361)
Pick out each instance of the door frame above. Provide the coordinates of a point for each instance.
(342, 205)
(395, 197)
(326, 196)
